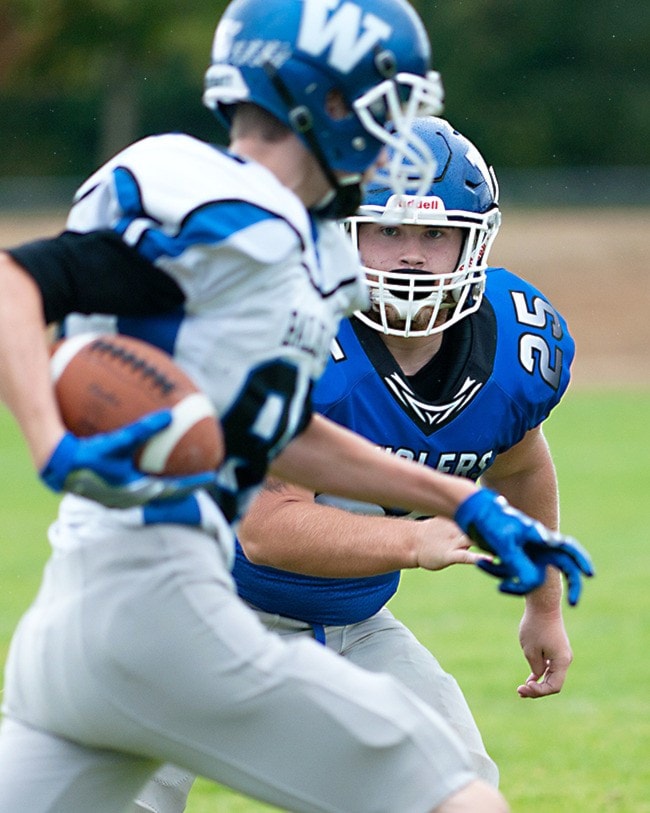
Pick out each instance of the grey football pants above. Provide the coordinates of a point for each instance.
(137, 652)
(381, 644)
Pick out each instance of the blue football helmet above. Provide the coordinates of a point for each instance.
(464, 194)
(289, 56)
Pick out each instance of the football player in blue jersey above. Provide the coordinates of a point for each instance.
(455, 365)
(137, 650)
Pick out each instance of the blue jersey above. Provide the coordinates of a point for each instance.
(498, 374)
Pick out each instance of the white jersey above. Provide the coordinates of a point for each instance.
(262, 280)
(264, 284)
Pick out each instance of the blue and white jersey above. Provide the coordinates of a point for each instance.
(498, 374)
(261, 279)
(257, 285)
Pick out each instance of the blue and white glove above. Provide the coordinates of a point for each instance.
(102, 468)
(523, 546)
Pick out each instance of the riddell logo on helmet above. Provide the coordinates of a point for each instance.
(417, 202)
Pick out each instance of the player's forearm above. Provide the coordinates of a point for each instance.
(25, 380)
(299, 535)
(535, 493)
(330, 459)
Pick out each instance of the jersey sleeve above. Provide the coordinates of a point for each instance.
(96, 272)
(187, 208)
(535, 347)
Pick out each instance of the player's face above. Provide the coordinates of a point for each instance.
(399, 248)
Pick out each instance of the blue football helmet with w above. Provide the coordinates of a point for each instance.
(291, 57)
(464, 194)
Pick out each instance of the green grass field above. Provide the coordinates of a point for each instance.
(585, 750)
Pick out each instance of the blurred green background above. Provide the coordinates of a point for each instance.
(546, 87)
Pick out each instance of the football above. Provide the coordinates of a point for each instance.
(104, 381)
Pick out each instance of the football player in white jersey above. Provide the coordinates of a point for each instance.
(137, 651)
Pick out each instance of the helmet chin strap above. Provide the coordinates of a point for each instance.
(346, 194)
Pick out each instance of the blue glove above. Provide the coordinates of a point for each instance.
(102, 468)
(523, 546)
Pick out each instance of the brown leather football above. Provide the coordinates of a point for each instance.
(104, 381)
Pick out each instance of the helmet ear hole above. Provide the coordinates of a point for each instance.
(335, 105)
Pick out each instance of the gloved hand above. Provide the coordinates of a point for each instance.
(523, 546)
(102, 468)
